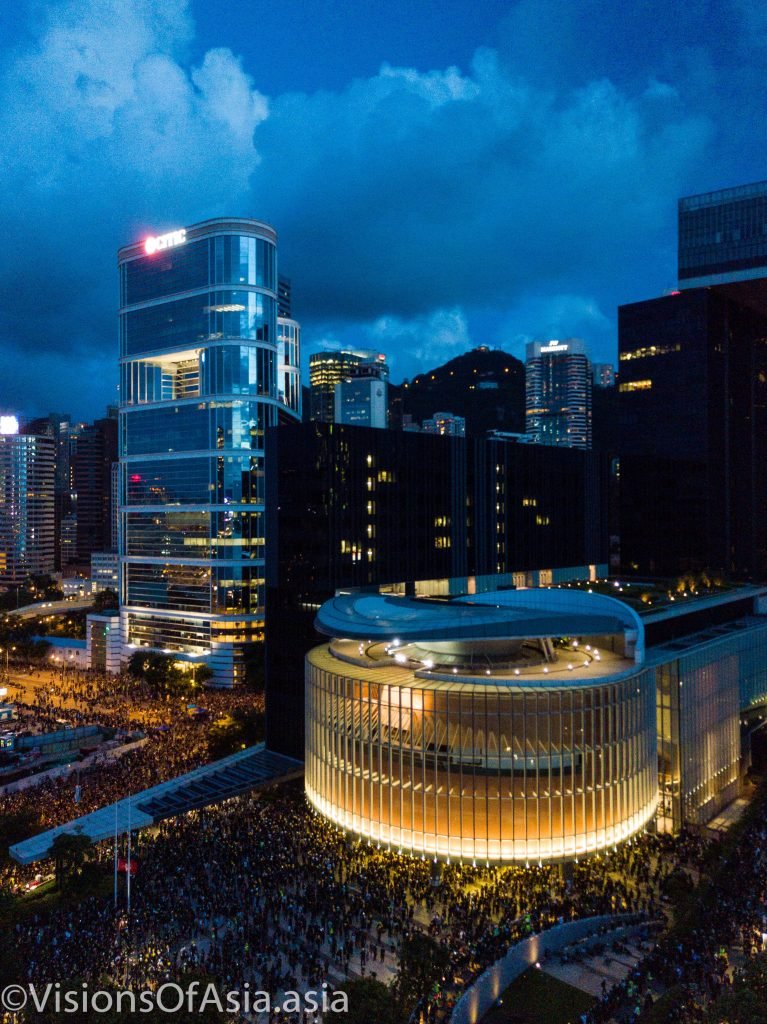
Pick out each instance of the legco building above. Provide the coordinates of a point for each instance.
(511, 726)
(198, 388)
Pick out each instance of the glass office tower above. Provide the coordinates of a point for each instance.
(723, 236)
(199, 361)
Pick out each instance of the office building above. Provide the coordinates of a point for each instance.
(692, 397)
(93, 455)
(284, 297)
(603, 375)
(445, 423)
(289, 389)
(199, 357)
(327, 369)
(723, 236)
(412, 513)
(558, 384)
(484, 386)
(105, 571)
(27, 503)
(361, 401)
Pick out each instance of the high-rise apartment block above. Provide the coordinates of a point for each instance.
(558, 383)
(199, 387)
(27, 504)
(327, 369)
(723, 236)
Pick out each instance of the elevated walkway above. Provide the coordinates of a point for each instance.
(231, 776)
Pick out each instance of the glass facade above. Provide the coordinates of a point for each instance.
(200, 385)
(487, 772)
(700, 696)
(723, 235)
(289, 363)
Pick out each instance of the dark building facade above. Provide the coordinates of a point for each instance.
(485, 386)
(692, 399)
(93, 456)
(723, 236)
(58, 426)
(416, 514)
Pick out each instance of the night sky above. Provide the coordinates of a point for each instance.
(440, 175)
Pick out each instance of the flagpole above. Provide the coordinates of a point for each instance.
(129, 860)
(115, 856)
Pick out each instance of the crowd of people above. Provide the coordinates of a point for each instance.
(696, 965)
(262, 890)
(175, 743)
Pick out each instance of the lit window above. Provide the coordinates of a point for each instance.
(635, 385)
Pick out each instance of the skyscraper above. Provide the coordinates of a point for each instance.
(199, 361)
(27, 482)
(59, 427)
(723, 236)
(558, 386)
(326, 369)
(289, 363)
(94, 453)
(693, 421)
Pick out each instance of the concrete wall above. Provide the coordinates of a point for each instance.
(486, 990)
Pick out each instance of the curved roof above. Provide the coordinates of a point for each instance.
(499, 614)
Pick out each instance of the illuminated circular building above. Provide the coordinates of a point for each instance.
(514, 726)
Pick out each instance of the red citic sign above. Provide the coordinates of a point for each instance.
(156, 243)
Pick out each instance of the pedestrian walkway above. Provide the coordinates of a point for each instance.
(231, 776)
(596, 971)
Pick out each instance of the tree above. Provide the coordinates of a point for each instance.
(753, 976)
(737, 1006)
(369, 1001)
(243, 728)
(105, 600)
(254, 670)
(422, 965)
(163, 674)
(69, 851)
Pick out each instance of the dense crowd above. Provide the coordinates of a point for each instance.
(262, 890)
(175, 743)
(695, 965)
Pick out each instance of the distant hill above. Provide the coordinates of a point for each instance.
(486, 386)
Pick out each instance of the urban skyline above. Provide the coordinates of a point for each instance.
(607, 137)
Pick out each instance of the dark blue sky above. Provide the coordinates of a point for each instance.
(440, 174)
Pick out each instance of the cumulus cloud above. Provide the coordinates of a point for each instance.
(113, 132)
(408, 192)
(527, 193)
